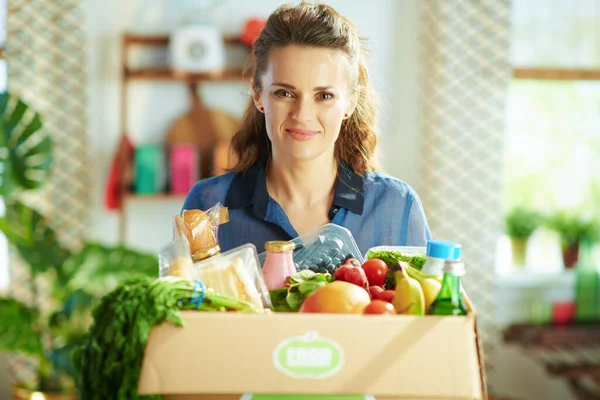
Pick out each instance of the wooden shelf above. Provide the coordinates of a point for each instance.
(166, 74)
(234, 73)
(557, 74)
(154, 197)
(163, 40)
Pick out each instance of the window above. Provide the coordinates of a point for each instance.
(552, 157)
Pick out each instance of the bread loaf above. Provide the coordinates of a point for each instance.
(201, 230)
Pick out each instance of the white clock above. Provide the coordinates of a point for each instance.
(196, 45)
(197, 48)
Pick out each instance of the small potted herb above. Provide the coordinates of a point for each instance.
(572, 229)
(520, 224)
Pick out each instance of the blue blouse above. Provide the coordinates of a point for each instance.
(378, 209)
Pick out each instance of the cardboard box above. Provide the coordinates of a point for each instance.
(220, 356)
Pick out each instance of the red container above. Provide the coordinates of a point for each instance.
(183, 168)
(563, 313)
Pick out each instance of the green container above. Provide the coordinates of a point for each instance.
(149, 169)
(587, 285)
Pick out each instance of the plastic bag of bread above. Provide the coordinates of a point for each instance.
(175, 260)
(201, 229)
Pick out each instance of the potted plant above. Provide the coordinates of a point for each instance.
(65, 282)
(572, 229)
(520, 224)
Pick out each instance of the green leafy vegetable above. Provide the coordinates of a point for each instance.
(308, 287)
(111, 359)
(391, 258)
(294, 300)
(302, 285)
(278, 298)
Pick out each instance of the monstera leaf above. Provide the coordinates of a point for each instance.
(35, 240)
(25, 151)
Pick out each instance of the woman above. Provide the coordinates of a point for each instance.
(306, 143)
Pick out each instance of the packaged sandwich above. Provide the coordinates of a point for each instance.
(235, 273)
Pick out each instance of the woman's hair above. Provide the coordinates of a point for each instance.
(311, 25)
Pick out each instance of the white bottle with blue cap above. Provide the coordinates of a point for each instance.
(438, 251)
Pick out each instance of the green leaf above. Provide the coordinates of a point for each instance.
(18, 330)
(572, 227)
(294, 300)
(307, 288)
(278, 297)
(35, 240)
(302, 276)
(521, 223)
(25, 150)
(97, 269)
(16, 115)
(319, 278)
(392, 257)
(282, 308)
(62, 359)
(3, 102)
(17, 225)
(78, 301)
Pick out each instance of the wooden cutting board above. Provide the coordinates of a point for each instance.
(208, 129)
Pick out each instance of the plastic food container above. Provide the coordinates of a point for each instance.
(324, 249)
(235, 273)
(406, 253)
(405, 250)
(174, 259)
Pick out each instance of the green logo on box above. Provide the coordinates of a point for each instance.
(309, 356)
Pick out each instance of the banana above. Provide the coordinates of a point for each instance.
(430, 284)
(431, 288)
(409, 298)
(418, 274)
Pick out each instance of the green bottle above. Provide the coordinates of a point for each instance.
(449, 300)
(587, 284)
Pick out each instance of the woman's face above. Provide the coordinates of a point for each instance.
(305, 96)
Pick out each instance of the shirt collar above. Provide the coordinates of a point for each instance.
(250, 188)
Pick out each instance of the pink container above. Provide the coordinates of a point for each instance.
(184, 168)
(279, 263)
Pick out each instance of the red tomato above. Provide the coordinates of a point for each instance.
(386, 295)
(374, 291)
(379, 307)
(375, 269)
